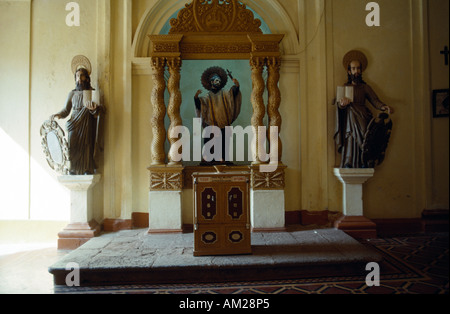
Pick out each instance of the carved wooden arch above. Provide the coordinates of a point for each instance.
(213, 30)
(156, 16)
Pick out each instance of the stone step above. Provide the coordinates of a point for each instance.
(136, 257)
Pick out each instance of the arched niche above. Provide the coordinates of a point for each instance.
(211, 30)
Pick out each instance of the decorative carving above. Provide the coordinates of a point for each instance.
(235, 203)
(166, 47)
(268, 180)
(216, 48)
(209, 204)
(189, 170)
(235, 237)
(215, 16)
(173, 86)
(257, 65)
(273, 66)
(209, 237)
(266, 47)
(55, 146)
(166, 180)
(159, 111)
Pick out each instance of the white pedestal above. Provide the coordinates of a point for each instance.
(80, 187)
(267, 212)
(353, 222)
(353, 180)
(82, 226)
(165, 214)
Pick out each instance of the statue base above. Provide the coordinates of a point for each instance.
(82, 226)
(353, 222)
(358, 227)
(75, 235)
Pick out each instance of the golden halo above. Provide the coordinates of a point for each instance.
(81, 62)
(355, 55)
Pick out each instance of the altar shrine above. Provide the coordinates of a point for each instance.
(199, 34)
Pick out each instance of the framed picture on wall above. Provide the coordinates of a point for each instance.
(440, 103)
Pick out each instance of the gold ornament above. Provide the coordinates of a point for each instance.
(355, 55)
(79, 62)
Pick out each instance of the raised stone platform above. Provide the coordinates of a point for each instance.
(136, 257)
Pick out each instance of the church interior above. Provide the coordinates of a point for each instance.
(285, 58)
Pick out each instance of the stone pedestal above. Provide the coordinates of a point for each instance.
(82, 226)
(267, 212)
(165, 214)
(165, 199)
(353, 222)
(267, 205)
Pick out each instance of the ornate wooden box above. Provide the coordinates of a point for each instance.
(221, 213)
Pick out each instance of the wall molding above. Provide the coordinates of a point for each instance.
(431, 221)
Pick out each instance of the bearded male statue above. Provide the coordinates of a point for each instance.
(83, 126)
(218, 107)
(361, 139)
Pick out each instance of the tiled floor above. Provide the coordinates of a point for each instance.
(24, 268)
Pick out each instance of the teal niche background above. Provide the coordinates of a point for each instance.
(191, 73)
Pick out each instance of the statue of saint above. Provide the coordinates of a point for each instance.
(354, 118)
(218, 107)
(83, 126)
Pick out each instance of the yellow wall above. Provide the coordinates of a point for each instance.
(439, 34)
(37, 48)
(52, 45)
(14, 108)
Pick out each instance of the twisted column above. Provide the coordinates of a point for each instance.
(159, 111)
(173, 86)
(275, 120)
(257, 66)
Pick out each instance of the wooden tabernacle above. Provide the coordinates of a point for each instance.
(221, 213)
